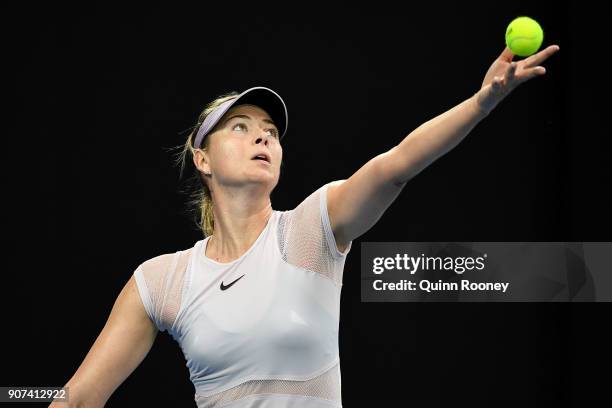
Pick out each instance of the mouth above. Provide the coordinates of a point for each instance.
(262, 157)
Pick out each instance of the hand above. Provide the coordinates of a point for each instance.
(504, 75)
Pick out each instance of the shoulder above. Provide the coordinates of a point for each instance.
(332, 192)
(161, 263)
(333, 201)
(158, 260)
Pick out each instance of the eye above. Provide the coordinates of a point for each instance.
(239, 124)
(274, 131)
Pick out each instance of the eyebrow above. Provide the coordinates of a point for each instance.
(248, 117)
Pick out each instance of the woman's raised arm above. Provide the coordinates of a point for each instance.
(356, 204)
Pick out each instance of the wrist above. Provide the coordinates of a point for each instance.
(478, 105)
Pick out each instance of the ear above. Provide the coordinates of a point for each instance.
(200, 160)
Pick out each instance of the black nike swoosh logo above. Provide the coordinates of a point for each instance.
(224, 287)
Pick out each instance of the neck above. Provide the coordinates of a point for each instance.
(238, 224)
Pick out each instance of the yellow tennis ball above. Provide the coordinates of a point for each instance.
(524, 36)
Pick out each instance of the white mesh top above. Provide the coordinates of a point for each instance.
(262, 330)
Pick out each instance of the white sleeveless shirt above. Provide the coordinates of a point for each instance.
(262, 330)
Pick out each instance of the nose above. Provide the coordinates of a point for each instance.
(263, 138)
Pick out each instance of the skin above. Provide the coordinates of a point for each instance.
(504, 75)
(240, 186)
(374, 187)
(241, 190)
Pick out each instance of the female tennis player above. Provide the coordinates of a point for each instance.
(255, 305)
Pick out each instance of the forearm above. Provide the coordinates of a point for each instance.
(79, 396)
(433, 139)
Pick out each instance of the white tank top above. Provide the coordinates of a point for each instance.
(262, 330)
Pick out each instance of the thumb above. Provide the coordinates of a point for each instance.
(497, 83)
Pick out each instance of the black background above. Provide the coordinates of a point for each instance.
(97, 95)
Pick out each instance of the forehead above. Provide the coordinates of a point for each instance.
(246, 109)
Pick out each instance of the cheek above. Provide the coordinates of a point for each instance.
(229, 151)
(230, 156)
(279, 153)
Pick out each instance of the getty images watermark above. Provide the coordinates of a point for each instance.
(486, 271)
(412, 264)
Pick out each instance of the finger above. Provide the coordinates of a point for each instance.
(506, 55)
(511, 72)
(533, 72)
(497, 83)
(537, 59)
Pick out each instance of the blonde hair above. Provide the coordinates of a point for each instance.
(200, 199)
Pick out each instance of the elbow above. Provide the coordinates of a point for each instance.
(391, 169)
